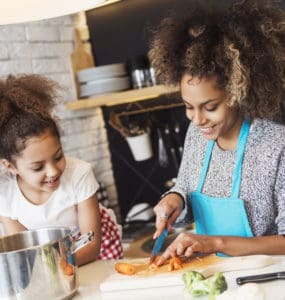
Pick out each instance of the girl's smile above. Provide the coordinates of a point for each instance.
(53, 182)
(39, 167)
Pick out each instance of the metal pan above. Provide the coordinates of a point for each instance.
(39, 264)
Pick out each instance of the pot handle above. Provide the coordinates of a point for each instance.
(80, 241)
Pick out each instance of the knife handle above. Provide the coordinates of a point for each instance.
(260, 277)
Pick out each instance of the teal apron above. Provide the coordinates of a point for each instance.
(222, 216)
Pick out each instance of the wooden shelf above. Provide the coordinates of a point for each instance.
(122, 97)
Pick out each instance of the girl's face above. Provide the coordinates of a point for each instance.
(40, 165)
(207, 108)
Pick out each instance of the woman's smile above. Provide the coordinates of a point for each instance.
(207, 131)
(207, 108)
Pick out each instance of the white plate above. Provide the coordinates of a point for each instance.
(106, 71)
(105, 85)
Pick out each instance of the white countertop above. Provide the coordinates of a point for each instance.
(91, 275)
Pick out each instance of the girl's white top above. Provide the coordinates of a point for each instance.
(77, 184)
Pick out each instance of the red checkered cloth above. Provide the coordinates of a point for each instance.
(111, 244)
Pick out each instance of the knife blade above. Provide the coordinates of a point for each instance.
(260, 277)
(158, 245)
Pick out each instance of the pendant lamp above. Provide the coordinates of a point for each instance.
(19, 11)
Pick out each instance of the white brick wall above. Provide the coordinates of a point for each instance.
(44, 47)
(42, 33)
(12, 33)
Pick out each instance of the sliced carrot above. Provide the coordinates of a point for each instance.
(125, 268)
(175, 263)
(66, 267)
(153, 266)
(68, 270)
(63, 263)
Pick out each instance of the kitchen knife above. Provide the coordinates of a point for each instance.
(260, 277)
(158, 245)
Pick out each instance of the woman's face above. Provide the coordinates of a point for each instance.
(207, 108)
(40, 165)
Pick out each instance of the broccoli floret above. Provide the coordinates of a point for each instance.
(194, 283)
(197, 285)
(216, 284)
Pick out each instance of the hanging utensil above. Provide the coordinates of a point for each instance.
(171, 147)
(116, 123)
(162, 154)
(178, 139)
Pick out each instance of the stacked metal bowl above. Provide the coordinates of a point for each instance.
(103, 79)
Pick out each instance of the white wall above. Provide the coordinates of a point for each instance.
(44, 47)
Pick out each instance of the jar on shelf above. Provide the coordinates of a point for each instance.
(142, 74)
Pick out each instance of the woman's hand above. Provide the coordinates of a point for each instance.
(167, 211)
(186, 244)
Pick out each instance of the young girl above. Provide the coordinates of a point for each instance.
(230, 68)
(46, 188)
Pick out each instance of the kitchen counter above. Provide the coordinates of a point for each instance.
(91, 275)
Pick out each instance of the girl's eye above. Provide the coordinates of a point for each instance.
(38, 169)
(59, 157)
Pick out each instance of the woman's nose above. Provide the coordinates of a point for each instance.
(196, 117)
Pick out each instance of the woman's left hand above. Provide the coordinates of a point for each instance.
(186, 244)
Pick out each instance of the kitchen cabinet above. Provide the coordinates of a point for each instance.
(122, 97)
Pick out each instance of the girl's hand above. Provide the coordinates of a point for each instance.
(89, 219)
(167, 211)
(11, 226)
(186, 244)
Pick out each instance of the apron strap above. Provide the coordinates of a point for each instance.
(238, 166)
(205, 165)
(240, 153)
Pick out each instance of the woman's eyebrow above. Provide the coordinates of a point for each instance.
(203, 103)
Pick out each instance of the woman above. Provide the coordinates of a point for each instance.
(230, 68)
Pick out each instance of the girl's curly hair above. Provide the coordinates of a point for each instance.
(243, 46)
(26, 104)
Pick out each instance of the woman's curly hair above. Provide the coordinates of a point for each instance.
(243, 46)
(26, 104)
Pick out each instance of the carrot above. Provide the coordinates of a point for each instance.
(125, 268)
(63, 263)
(154, 266)
(68, 270)
(175, 263)
(66, 267)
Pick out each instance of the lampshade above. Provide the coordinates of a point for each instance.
(19, 11)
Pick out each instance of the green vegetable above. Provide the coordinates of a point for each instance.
(197, 285)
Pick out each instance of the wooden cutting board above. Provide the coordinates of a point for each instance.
(161, 277)
(80, 58)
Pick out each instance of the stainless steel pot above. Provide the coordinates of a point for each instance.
(39, 264)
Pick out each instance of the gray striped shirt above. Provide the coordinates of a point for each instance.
(263, 174)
